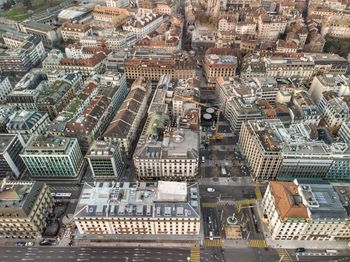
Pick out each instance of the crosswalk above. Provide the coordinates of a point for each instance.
(258, 193)
(258, 243)
(195, 254)
(209, 204)
(284, 255)
(212, 243)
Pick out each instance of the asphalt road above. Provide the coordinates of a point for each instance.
(53, 254)
(251, 255)
(227, 192)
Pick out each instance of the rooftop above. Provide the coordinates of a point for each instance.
(141, 199)
(5, 141)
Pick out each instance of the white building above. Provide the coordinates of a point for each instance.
(123, 208)
(5, 87)
(298, 211)
(117, 3)
(143, 25)
(28, 124)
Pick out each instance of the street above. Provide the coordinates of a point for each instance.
(67, 254)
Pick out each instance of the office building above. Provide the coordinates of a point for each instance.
(105, 160)
(24, 209)
(53, 157)
(148, 209)
(306, 211)
(11, 164)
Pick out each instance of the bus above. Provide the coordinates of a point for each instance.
(61, 195)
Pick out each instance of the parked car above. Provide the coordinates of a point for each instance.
(30, 244)
(300, 250)
(210, 190)
(20, 244)
(46, 242)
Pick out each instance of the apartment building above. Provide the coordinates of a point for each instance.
(105, 160)
(55, 97)
(123, 128)
(336, 26)
(53, 157)
(5, 88)
(11, 163)
(219, 62)
(24, 57)
(75, 32)
(13, 39)
(339, 84)
(344, 132)
(28, 124)
(334, 109)
(109, 14)
(24, 209)
(306, 211)
(144, 25)
(148, 209)
(270, 27)
(227, 23)
(117, 3)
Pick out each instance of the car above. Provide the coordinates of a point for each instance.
(20, 244)
(30, 244)
(46, 242)
(211, 235)
(210, 190)
(300, 250)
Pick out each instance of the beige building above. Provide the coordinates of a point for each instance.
(74, 32)
(262, 150)
(336, 26)
(270, 27)
(306, 211)
(24, 208)
(162, 209)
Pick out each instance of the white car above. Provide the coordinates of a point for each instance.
(210, 190)
(29, 244)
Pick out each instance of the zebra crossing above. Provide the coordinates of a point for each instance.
(209, 204)
(258, 243)
(195, 254)
(284, 255)
(212, 243)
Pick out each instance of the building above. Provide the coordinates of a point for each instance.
(14, 39)
(105, 160)
(270, 27)
(143, 25)
(166, 153)
(219, 62)
(26, 91)
(75, 32)
(336, 26)
(49, 35)
(327, 82)
(305, 211)
(11, 163)
(55, 97)
(53, 157)
(114, 15)
(334, 109)
(344, 132)
(117, 3)
(24, 209)
(261, 151)
(125, 124)
(299, 151)
(123, 208)
(28, 124)
(152, 66)
(21, 59)
(5, 88)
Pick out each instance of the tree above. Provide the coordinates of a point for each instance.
(27, 3)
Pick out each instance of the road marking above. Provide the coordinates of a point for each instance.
(284, 255)
(195, 254)
(209, 204)
(212, 243)
(258, 243)
(258, 193)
